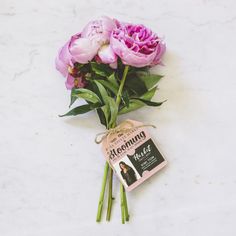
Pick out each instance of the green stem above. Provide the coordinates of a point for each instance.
(125, 206)
(110, 198)
(122, 82)
(100, 203)
(122, 204)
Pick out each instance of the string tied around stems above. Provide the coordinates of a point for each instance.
(124, 127)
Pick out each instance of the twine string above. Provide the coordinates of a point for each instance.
(100, 137)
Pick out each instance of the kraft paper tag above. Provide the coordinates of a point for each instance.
(132, 154)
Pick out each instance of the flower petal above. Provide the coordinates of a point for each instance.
(107, 55)
(83, 50)
(99, 30)
(63, 59)
(70, 82)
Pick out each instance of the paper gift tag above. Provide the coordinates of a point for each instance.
(132, 154)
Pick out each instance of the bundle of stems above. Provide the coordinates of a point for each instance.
(109, 178)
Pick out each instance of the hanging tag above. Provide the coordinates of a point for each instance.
(132, 154)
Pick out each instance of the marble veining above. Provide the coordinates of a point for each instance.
(50, 167)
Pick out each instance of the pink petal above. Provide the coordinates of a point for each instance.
(70, 82)
(114, 65)
(83, 50)
(107, 55)
(160, 51)
(63, 59)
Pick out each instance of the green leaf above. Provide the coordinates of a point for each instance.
(150, 80)
(101, 117)
(113, 111)
(110, 109)
(84, 68)
(125, 98)
(133, 105)
(110, 112)
(139, 69)
(72, 98)
(80, 110)
(78, 66)
(86, 94)
(112, 79)
(135, 84)
(102, 91)
(150, 103)
(148, 95)
(101, 69)
(106, 111)
(136, 104)
(109, 86)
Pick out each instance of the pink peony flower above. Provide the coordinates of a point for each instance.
(77, 49)
(84, 46)
(82, 50)
(137, 45)
(99, 30)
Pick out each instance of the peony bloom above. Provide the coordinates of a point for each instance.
(82, 50)
(84, 46)
(99, 30)
(137, 45)
(77, 49)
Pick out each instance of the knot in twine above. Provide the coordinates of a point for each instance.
(124, 127)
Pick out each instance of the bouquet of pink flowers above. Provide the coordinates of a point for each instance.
(107, 64)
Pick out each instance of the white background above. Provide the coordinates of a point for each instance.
(50, 167)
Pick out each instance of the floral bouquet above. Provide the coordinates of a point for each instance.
(107, 65)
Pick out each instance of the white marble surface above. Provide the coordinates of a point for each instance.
(50, 168)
